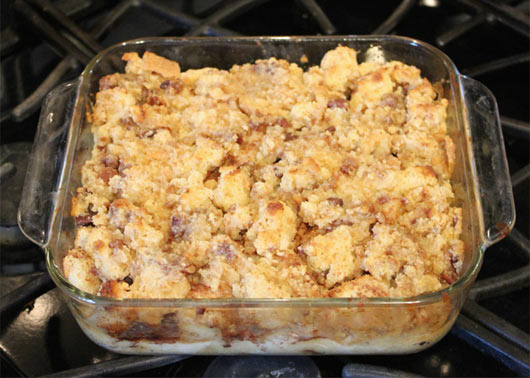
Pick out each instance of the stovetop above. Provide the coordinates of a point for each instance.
(487, 40)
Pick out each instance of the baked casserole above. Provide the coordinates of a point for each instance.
(267, 181)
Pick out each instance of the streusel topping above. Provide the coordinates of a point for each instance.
(265, 181)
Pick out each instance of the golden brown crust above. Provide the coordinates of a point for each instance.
(267, 181)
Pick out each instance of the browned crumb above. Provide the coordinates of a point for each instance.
(267, 181)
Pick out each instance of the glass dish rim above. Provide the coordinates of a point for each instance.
(423, 299)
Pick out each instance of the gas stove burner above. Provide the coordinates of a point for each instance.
(13, 162)
(371, 371)
(262, 367)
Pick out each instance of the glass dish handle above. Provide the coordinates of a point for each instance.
(45, 166)
(490, 161)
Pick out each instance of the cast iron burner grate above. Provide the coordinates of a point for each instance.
(57, 24)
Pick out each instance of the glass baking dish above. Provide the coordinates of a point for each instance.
(268, 326)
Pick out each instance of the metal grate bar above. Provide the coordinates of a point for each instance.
(120, 366)
(319, 15)
(511, 355)
(391, 22)
(182, 19)
(510, 16)
(354, 370)
(496, 324)
(63, 20)
(5, 116)
(501, 284)
(461, 29)
(19, 77)
(520, 176)
(520, 240)
(224, 14)
(466, 26)
(497, 65)
(516, 127)
(33, 102)
(6, 171)
(8, 40)
(110, 18)
(25, 293)
(49, 33)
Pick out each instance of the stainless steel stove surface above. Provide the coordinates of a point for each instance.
(44, 43)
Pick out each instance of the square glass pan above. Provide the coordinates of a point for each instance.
(270, 326)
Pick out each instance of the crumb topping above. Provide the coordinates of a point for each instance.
(265, 181)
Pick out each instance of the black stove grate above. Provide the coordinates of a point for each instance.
(56, 24)
(492, 334)
(480, 327)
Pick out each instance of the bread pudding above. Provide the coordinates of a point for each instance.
(267, 181)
